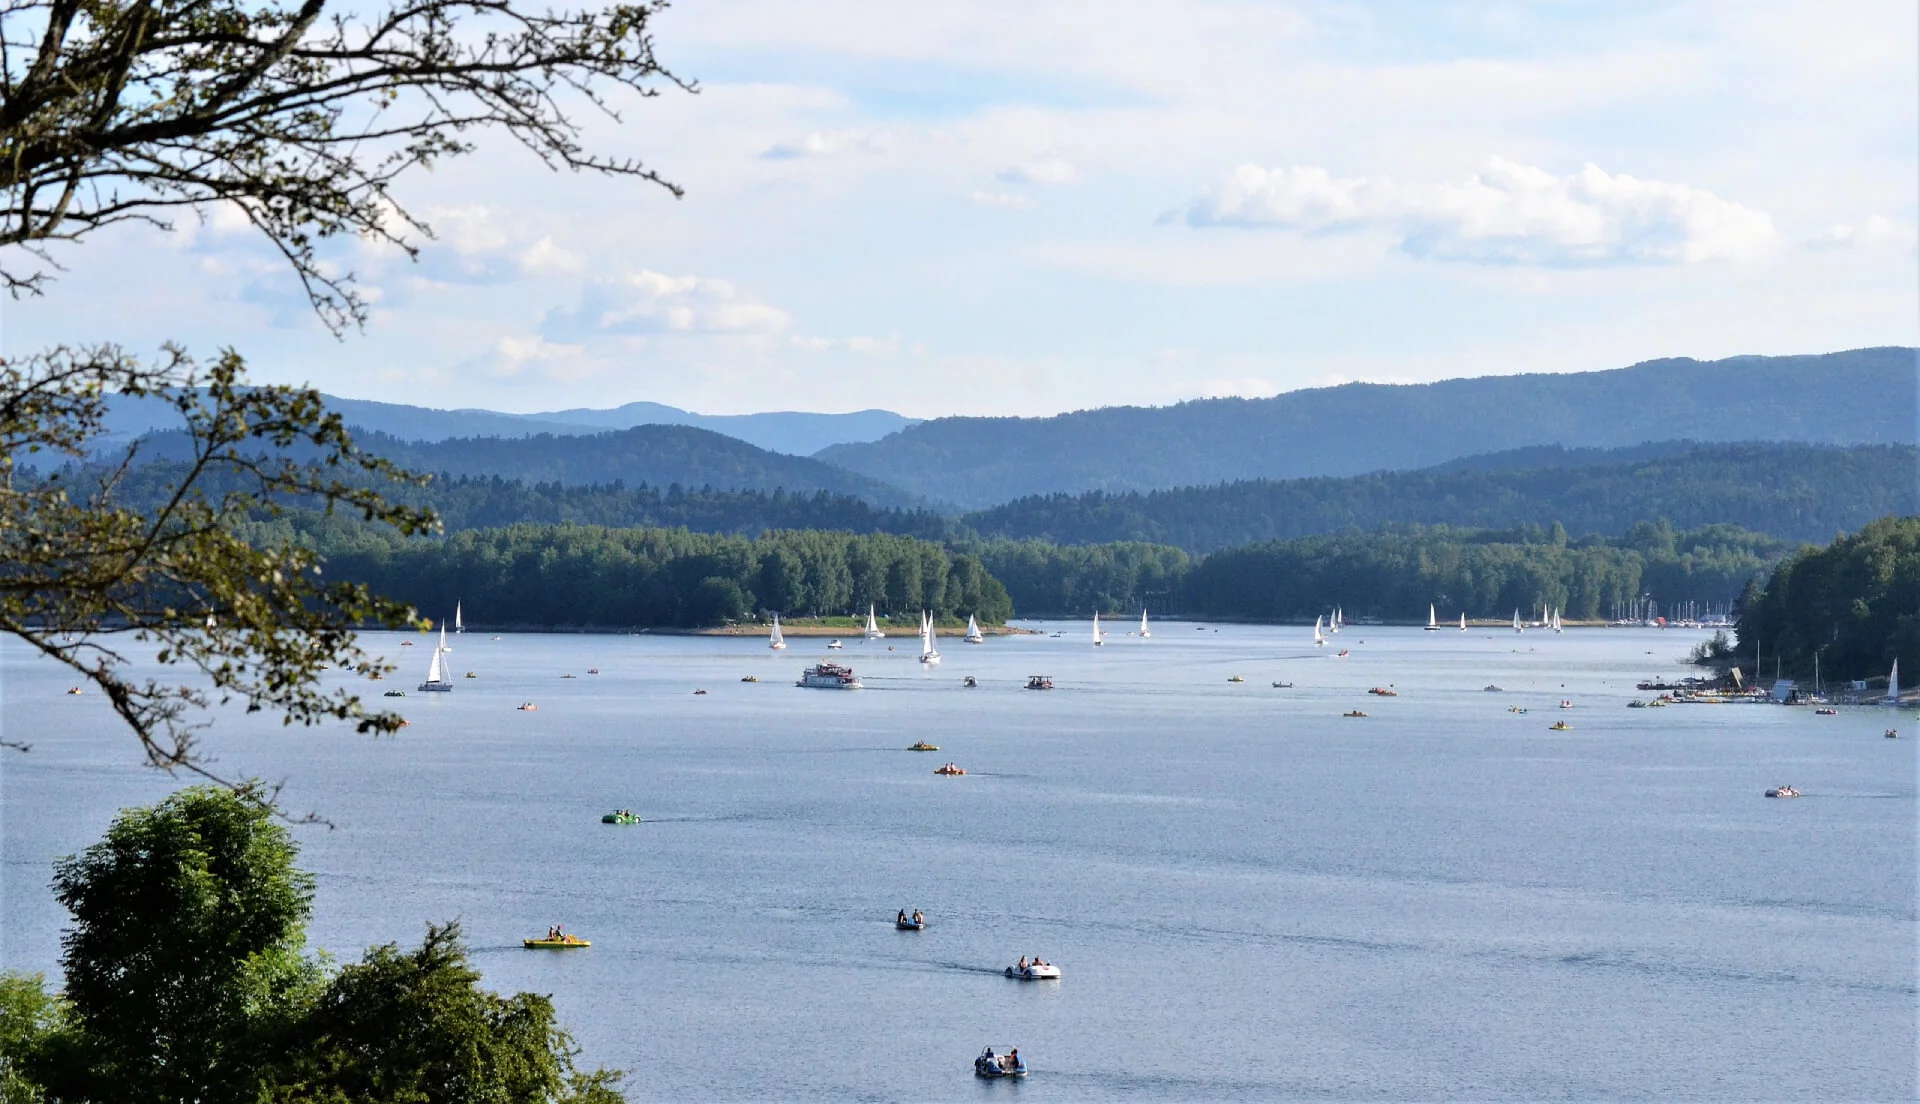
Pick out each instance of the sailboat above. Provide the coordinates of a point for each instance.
(1143, 625)
(1516, 622)
(1893, 686)
(437, 672)
(458, 628)
(928, 653)
(1319, 639)
(1433, 625)
(776, 642)
(873, 627)
(1556, 620)
(1096, 629)
(1333, 621)
(974, 635)
(1463, 622)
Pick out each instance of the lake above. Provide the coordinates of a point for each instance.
(1249, 895)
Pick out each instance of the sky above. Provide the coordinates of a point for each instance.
(1024, 207)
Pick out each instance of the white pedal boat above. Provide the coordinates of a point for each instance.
(989, 1064)
(1045, 971)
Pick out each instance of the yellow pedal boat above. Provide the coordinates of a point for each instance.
(564, 942)
(924, 746)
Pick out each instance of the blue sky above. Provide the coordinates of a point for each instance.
(1021, 208)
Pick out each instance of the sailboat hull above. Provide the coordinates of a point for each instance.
(436, 687)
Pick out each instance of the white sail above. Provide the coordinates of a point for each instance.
(873, 627)
(777, 641)
(436, 671)
(1143, 625)
(1318, 638)
(1333, 622)
(1893, 685)
(1556, 620)
(1096, 628)
(1516, 622)
(928, 653)
(433, 669)
(1463, 622)
(974, 635)
(457, 626)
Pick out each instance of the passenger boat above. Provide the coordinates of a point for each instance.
(1039, 682)
(828, 676)
(950, 768)
(620, 816)
(990, 1064)
(1562, 726)
(1783, 791)
(1038, 971)
(922, 745)
(564, 942)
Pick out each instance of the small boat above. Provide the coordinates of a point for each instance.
(1283, 686)
(593, 670)
(828, 676)
(1636, 704)
(1515, 709)
(437, 679)
(929, 654)
(1562, 726)
(526, 707)
(749, 678)
(1039, 682)
(1433, 625)
(567, 676)
(1463, 622)
(990, 1064)
(75, 690)
(620, 816)
(974, 635)
(1657, 703)
(1783, 791)
(458, 626)
(916, 922)
(873, 626)
(970, 682)
(1384, 692)
(406, 643)
(394, 694)
(1565, 704)
(1893, 734)
(950, 768)
(1144, 633)
(1038, 971)
(834, 645)
(1319, 638)
(1097, 641)
(564, 942)
(698, 693)
(1342, 653)
(778, 641)
(1826, 712)
(1235, 678)
(1517, 627)
(1353, 713)
(922, 745)
(470, 674)
(1491, 688)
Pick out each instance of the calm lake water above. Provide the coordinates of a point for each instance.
(1250, 896)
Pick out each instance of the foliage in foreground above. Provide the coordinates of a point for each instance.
(1855, 603)
(187, 978)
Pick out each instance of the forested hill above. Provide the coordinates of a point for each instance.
(1865, 396)
(659, 455)
(1798, 492)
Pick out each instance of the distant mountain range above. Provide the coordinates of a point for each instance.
(1794, 491)
(793, 433)
(1865, 396)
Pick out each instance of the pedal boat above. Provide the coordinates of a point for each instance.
(908, 925)
(923, 746)
(620, 818)
(949, 769)
(1045, 972)
(990, 1064)
(565, 942)
(1784, 791)
(1562, 726)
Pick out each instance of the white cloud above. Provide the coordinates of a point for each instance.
(1048, 168)
(826, 144)
(642, 301)
(1005, 201)
(1875, 232)
(866, 346)
(1508, 214)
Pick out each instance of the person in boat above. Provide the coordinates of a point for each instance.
(1022, 964)
(902, 918)
(1012, 1061)
(917, 918)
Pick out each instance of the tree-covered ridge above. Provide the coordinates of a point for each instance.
(597, 577)
(1393, 574)
(1803, 492)
(1855, 603)
(1866, 396)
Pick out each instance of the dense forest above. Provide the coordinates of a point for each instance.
(1804, 492)
(596, 577)
(1866, 396)
(1855, 603)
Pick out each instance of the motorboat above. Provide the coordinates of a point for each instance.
(1783, 791)
(1562, 726)
(1039, 682)
(834, 645)
(1036, 971)
(1353, 713)
(526, 707)
(406, 643)
(563, 941)
(922, 745)
(970, 682)
(620, 816)
(950, 768)
(828, 676)
(990, 1064)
